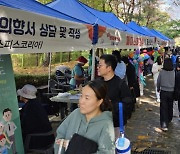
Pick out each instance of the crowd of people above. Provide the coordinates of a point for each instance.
(117, 79)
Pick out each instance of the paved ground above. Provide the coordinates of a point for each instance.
(143, 129)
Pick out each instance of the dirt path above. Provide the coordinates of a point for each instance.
(143, 129)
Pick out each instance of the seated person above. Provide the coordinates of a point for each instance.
(92, 120)
(34, 118)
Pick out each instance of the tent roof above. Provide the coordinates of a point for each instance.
(109, 18)
(160, 34)
(139, 29)
(36, 7)
(149, 31)
(74, 9)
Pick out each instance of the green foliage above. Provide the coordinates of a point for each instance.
(24, 60)
(36, 80)
(31, 60)
(173, 29)
(44, 1)
(96, 4)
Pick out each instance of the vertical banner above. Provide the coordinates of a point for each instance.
(10, 128)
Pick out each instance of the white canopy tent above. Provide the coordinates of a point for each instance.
(26, 32)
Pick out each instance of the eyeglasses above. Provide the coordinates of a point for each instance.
(100, 65)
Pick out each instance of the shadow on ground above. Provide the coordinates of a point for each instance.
(143, 129)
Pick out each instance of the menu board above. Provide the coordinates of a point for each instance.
(10, 128)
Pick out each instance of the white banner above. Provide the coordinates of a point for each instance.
(113, 38)
(161, 42)
(26, 32)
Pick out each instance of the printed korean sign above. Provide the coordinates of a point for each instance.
(113, 38)
(10, 128)
(25, 32)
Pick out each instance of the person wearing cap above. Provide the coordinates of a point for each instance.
(77, 75)
(34, 118)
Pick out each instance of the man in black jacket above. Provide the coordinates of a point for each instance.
(118, 91)
(34, 118)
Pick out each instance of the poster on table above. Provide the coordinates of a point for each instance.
(26, 32)
(10, 128)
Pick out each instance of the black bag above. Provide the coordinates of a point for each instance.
(81, 145)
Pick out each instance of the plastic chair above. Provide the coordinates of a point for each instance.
(45, 150)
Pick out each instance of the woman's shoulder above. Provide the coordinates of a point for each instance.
(105, 117)
(75, 113)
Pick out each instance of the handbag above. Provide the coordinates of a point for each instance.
(81, 145)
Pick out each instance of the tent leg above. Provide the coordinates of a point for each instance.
(49, 73)
(93, 62)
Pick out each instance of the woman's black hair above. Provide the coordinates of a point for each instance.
(168, 65)
(110, 60)
(178, 59)
(100, 89)
(125, 59)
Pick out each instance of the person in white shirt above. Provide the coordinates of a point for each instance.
(155, 70)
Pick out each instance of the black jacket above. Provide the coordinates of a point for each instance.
(118, 91)
(132, 79)
(177, 81)
(34, 119)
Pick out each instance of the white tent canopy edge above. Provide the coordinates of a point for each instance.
(26, 32)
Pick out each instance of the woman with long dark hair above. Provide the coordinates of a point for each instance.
(92, 120)
(165, 85)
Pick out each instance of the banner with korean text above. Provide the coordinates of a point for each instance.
(10, 128)
(26, 32)
(114, 38)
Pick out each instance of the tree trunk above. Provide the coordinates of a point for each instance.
(47, 59)
(37, 59)
(69, 56)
